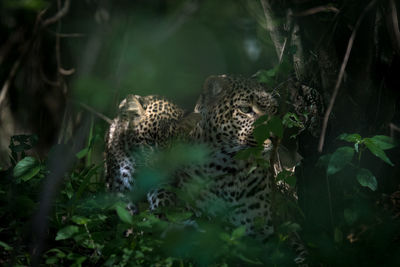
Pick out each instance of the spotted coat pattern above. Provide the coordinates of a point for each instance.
(228, 107)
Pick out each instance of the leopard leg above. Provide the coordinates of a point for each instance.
(300, 250)
(160, 198)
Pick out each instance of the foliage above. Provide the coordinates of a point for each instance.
(129, 47)
(90, 226)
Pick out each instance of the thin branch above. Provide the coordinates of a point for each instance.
(91, 110)
(393, 128)
(61, 13)
(70, 35)
(6, 85)
(341, 74)
(66, 72)
(17, 63)
(315, 10)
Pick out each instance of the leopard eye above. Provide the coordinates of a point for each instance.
(246, 109)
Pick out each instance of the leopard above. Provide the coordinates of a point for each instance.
(148, 121)
(224, 114)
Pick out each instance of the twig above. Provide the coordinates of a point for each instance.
(393, 128)
(61, 13)
(6, 85)
(67, 35)
(90, 109)
(316, 10)
(341, 74)
(66, 72)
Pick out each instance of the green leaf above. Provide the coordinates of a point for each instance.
(248, 260)
(338, 235)
(261, 120)
(376, 150)
(287, 177)
(82, 153)
(291, 120)
(67, 232)
(323, 161)
(59, 253)
(80, 220)
(275, 126)
(339, 159)
(178, 216)
(5, 246)
(34, 5)
(367, 179)
(289, 227)
(350, 216)
(51, 260)
(384, 142)
(247, 153)
(239, 232)
(262, 130)
(26, 168)
(352, 138)
(261, 133)
(123, 213)
(291, 180)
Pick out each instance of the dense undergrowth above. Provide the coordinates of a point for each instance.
(88, 226)
(56, 210)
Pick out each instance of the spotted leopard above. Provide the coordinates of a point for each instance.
(227, 110)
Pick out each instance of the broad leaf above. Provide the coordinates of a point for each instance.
(352, 138)
(247, 153)
(287, 177)
(26, 168)
(339, 159)
(323, 161)
(261, 133)
(67, 232)
(292, 120)
(123, 214)
(178, 216)
(275, 126)
(384, 142)
(261, 120)
(5, 246)
(350, 216)
(238, 232)
(376, 150)
(367, 179)
(80, 220)
(82, 153)
(338, 235)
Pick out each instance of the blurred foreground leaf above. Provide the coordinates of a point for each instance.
(339, 159)
(67, 232)
(26, 169)
(367, 179)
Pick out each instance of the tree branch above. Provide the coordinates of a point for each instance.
(316, 10)
(61, 13)
(341, 74)
(273, 28)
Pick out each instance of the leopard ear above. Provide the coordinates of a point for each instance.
(212, 89)
(131, 104)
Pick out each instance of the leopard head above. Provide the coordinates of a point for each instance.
(229, 107)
